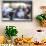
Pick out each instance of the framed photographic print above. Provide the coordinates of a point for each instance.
(17, 10)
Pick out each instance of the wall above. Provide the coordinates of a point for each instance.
(25, 28)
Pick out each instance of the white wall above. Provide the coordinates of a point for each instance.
(25, 28)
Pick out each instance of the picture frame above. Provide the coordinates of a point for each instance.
(17, 10)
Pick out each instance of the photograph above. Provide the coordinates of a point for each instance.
(17, 10)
